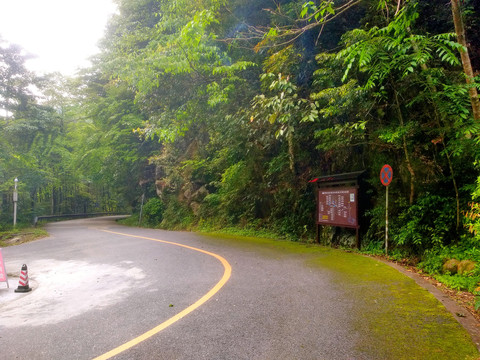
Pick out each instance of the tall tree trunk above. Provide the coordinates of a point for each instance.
(467, 65)
(291, 151)
(405, 150)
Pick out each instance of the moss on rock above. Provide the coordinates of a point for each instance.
(450, 267)
(465, 266)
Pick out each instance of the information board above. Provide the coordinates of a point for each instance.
(337, 207)
(3, 272)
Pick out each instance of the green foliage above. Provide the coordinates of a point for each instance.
(153, 211)
(467, 249)
(176, 215)
(250, 230)
(433, 261)
(132, 220)
(232, 194)
(427, 224)
(20, 234)
(472, 217)
(382, 51)
(459, 282)
(281, 104)
(313, 12)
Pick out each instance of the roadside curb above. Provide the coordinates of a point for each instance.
(467, 320)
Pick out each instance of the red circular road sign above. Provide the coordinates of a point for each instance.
(386, 175)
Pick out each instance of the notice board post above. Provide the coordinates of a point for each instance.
(337, 202)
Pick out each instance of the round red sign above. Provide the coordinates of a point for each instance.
(386, 175)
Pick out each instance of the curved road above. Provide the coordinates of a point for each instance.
(101, 290)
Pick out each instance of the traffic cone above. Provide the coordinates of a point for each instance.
(23, 282)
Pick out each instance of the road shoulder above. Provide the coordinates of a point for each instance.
(460, 313)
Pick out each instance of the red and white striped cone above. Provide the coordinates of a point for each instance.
(23, 282)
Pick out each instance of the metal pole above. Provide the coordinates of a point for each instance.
(15, 199)
(141, 210)
(358, 238)
(386, 223)
(14, 214)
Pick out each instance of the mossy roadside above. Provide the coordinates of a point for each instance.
(401, 319)
(21, 235)
(393, 316)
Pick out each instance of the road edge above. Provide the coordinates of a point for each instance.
(466, 319)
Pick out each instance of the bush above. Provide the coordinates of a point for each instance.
(177, 215)
(460, 282)
(427, 224)
(434, 259)
(153, 211)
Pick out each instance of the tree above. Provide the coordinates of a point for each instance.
(467, 65)
(390, 54)
(15, 80)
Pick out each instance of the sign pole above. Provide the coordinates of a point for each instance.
(386, 175)
(141, 210)
(386, 222)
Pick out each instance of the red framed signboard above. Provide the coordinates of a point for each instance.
(337, 206)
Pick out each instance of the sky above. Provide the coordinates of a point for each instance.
(61, 33)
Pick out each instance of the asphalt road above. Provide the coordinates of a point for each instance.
(98, 286)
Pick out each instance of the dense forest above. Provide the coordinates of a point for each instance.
(218, 113)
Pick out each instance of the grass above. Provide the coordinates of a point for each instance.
(21, 235)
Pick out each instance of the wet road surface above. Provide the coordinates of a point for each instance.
(98, 285)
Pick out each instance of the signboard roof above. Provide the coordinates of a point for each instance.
(338, 177)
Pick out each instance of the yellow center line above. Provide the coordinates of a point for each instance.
(180, 315)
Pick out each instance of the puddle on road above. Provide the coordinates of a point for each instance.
(64, 289)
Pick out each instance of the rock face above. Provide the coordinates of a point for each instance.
(465, 266)
(336, 236)
(450, 267)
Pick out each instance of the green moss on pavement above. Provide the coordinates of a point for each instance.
(393, 316)
(396, 318)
